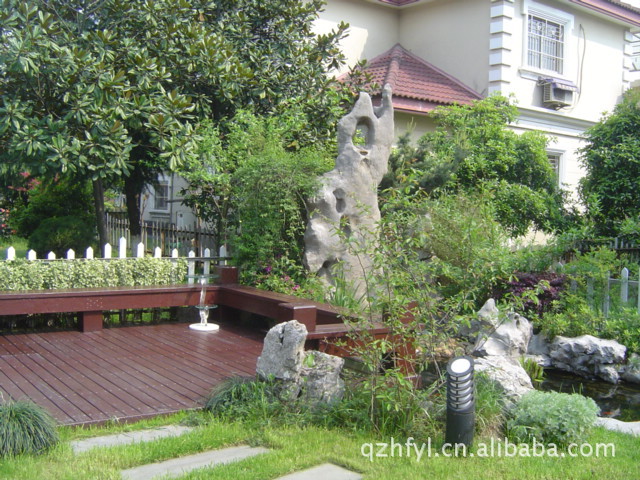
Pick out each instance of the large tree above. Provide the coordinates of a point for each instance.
(112, 89)
(610, 189)
(473, 148)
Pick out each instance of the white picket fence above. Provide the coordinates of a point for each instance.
(206, 260)
(627, 290)
(628, 294)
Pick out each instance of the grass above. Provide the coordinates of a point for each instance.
(296, 448)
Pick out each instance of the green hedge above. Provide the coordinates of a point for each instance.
(21, 274)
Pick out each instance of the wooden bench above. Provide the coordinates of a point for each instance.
(320, 319)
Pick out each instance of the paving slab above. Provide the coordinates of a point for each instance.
(127, 438)
(179, 466)
(326, 471)
(632, 428)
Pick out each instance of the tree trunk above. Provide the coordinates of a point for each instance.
(132, 189)
(98, 200)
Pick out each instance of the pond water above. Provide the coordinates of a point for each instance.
(621, 401)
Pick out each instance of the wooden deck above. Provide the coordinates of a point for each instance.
(124, 373)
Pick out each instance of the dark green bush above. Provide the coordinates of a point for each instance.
(551, 417)
(60, 234)
(66, 197)
(25, 428)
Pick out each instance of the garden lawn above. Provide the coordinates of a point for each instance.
(295, 448)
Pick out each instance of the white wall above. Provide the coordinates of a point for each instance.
(373, 28)
(453, 35)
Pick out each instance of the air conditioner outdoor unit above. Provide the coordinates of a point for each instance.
(555, 97)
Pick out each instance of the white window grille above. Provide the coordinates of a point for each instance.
(546, 44)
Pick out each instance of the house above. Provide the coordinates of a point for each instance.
(565, 61)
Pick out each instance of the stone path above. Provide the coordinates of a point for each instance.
(79, 446)
(182, 465)
(326, 471)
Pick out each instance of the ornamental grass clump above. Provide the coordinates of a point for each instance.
(552, 417)
(25, 428)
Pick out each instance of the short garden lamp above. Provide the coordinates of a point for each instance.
(461, 405)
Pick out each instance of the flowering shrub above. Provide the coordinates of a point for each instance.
(5, 230)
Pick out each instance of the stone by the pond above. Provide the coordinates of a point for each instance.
(313, 376)
(507, 373)
(588, 356)
(487, 319)
(510, 338)
(631, 371)
(538, 350)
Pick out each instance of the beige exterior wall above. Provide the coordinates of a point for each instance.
(373, 29)
(453, 35)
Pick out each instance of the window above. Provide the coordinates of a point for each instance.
(161, 197)
(554, 160)
(545, 44)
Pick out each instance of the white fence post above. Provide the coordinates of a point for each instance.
(107, 250)
(51, 256)
(140, 250)
(71, 255)
(11, 253)
(157, 252)
(89, 253)
(607, 298)
(122, 251)
(191, 271)
(31, 255)
(207, 262)
(624, 286)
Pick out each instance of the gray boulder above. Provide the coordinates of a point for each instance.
(510, 338)
(312, 376)
(507, 373)
(631, 372)
(320, 377)
(343, 226)
(283, 352)
(487, 319)
(538, 349)
(588, 356)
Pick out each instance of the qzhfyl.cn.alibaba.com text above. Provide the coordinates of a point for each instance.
(494, 448)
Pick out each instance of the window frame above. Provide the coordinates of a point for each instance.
(166, 186)
(557, 164)
(554, 16)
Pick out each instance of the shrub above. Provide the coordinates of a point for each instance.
(21, 274)
(537, 291)
(60, 234)
(551, 417)
(25, 428)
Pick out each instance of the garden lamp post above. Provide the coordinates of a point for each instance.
(461, 405)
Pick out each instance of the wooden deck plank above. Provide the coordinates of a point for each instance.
(126, 373)
(211, 348)
(66, 360)
(204, 349)
(105, 392)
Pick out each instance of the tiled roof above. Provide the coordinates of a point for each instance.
(613, 8)
(417, 85)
